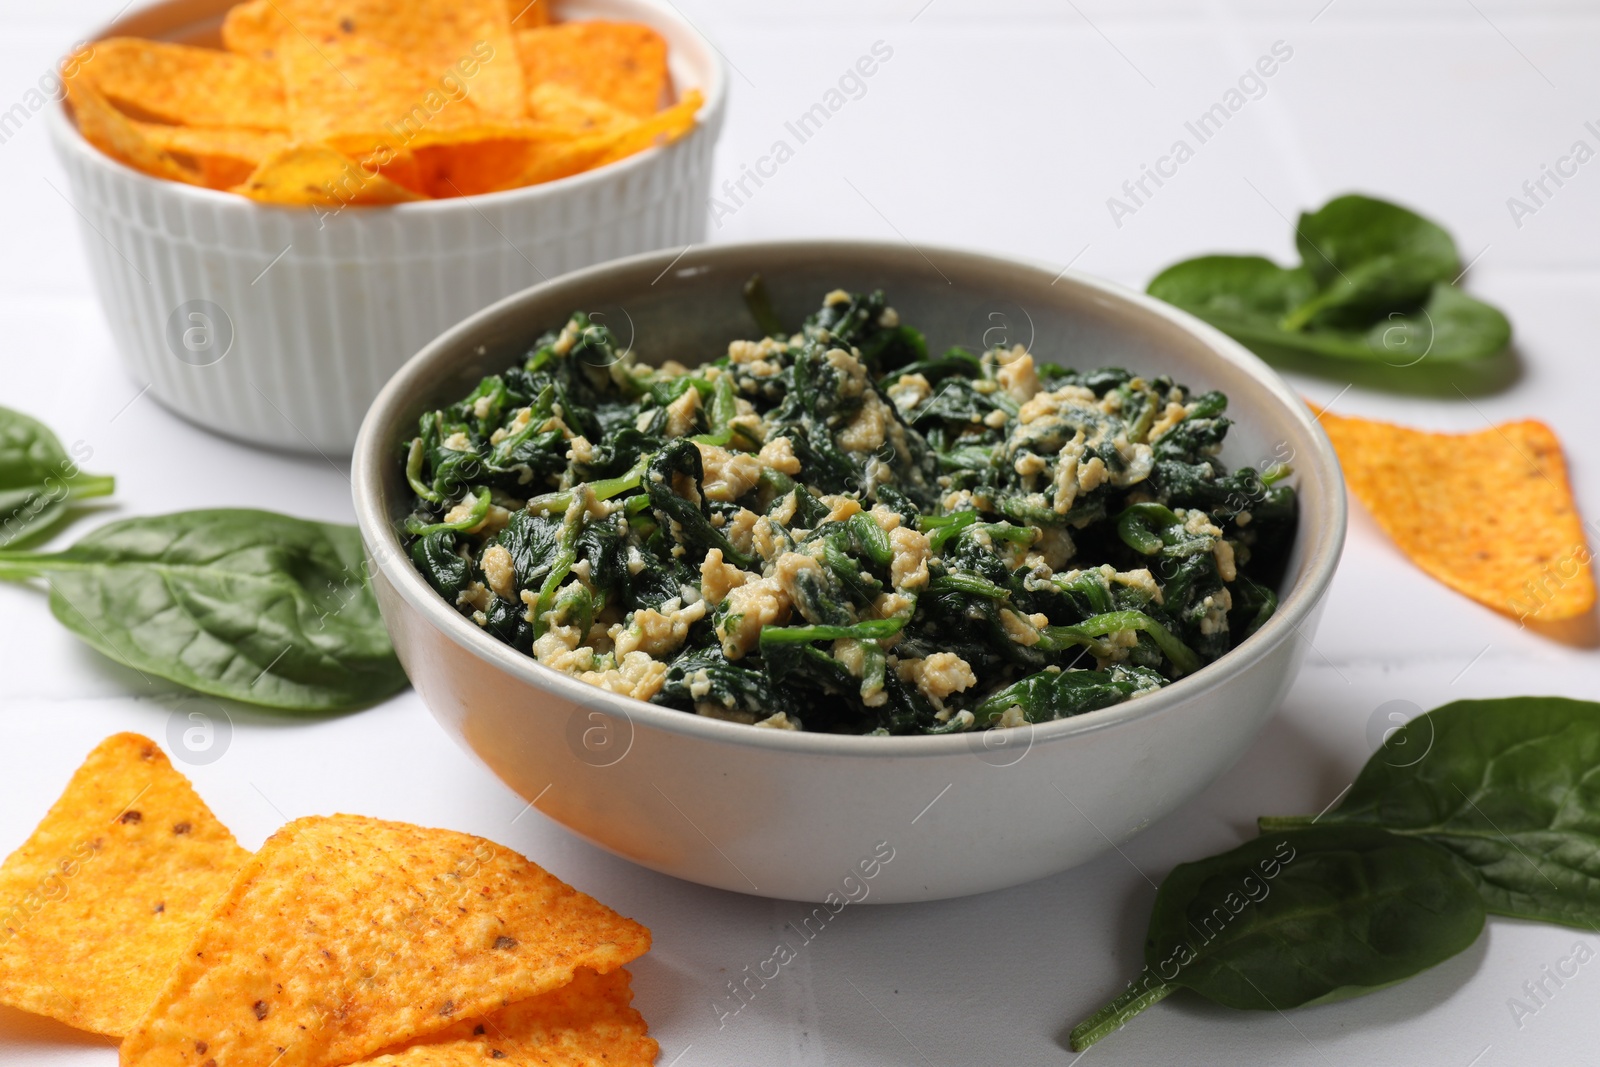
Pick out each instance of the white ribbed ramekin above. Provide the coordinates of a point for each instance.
(279, 325)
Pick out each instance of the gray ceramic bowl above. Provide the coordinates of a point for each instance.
(798, 815)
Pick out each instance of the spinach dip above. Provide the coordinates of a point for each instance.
(832, 530)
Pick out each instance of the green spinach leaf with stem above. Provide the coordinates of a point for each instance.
(250, 605)
(1377, 285)
(1298, 918)
(1510, 787)
(39, 480)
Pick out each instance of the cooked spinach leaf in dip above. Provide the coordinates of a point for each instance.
(833, 530)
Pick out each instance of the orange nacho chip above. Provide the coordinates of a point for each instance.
(554, 104)
(224, 156)
(359, 90)
(662, 128)
(114, 134)
(588, 1021)
(315, 174)
(252, 29)
(1490, 514)
(558, 140)
(541, 154)
(188, 86)
(362, 66)
(469, 168)
(99, 903)
(347, 936)
(621, 63)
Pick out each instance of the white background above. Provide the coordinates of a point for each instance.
(1004, 126)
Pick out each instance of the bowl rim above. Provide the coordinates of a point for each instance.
(708, 122)
(1319, 471)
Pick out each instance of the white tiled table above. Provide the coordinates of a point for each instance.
(1004, 126)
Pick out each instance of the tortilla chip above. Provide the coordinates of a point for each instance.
(588, 1021)
(554, 104)
(315, 174)
(347, 936)
(224, 157)
(550, 159)
(114, 134)
(470, 168)
(575, 134)
(621, 63)
(358, 91)
(252, 29)
(373, 63)
(187, 86)
(495, 161)
(662, 128)
(546, 151)
(97, 906)
(401, 168)
(1490, 514)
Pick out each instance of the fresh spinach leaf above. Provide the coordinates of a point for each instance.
(1298, 918)
(39, 480)
(1376, 284)
(249, 605)
(1510, 787)
(1368, 256)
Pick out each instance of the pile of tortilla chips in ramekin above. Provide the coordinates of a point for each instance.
(131, 912)
(379, 101)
